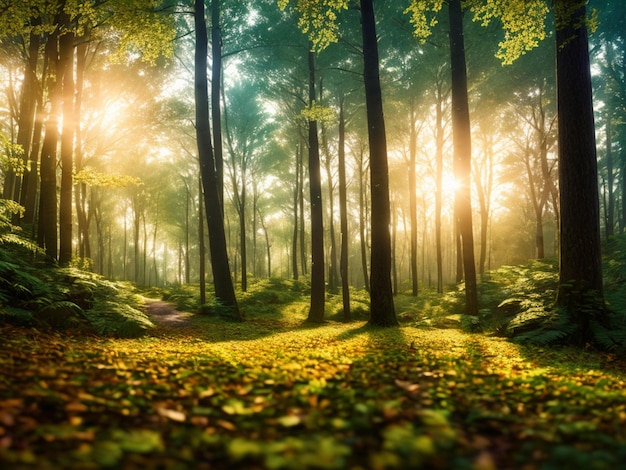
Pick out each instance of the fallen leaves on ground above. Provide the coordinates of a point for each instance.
(277, 396)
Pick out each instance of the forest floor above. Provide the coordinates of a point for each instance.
(199, 392)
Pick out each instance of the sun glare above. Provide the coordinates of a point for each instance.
(449, 184)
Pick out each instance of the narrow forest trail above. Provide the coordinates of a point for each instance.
(168, 320)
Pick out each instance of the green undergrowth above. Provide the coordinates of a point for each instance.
(272, 393)
(35, 292)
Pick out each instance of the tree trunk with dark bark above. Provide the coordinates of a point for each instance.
(47, 231)
(316, 310)
(66, 63)
(343, 214)
(462, 153)
(224, 289)
(382, 311)
(580, 271)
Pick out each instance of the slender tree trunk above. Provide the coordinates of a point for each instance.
(296, 193)
(187, 230)
(439, 181)
(268, 246)
(80, 190)
(66, 63)
(136, 227)
(242, 235)
(394, 237)
(343, 214)
(610, 216)
(332, 265)
(362, 223)
(462, 153)
(413, 197)
(202, 249)
(580, 271)
(216, 81)
(382, 311)
(224, 289)
(623, 192)
(28, 107)
(316, 311)
(255, 212)
(303, 256)
(30, 183)
(47, 234)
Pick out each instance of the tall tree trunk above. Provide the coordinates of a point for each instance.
(216, 82)
(202, 249)
(316, 311)
(394, 237)
(382, 311)
(80, 191)
(255, 212)
(462, 153)
(362, 221)
(484, 200)
(413, 197)
(66, 63)
(136, 227)
(332, 264)
(28, 107)
(610, 216)
(439, 180)
(187, 231)
(622, 160)
(296, 198)
(343, 214)
(268, 246)
(303, 255)
(580, 270)
(224, 289)
(47, 233)
(242, 234)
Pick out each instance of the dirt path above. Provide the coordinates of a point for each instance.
(166, 318)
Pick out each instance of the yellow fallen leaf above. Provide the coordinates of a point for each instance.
(174, 415)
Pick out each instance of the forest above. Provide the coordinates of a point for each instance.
(312, 234)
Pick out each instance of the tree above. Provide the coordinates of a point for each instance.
(382, 311)
(580, 268)
(316, 310)
(462, 153)
(461, 135)
(343, 213)
(224, 289)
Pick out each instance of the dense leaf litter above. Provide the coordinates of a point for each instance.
(203, 393)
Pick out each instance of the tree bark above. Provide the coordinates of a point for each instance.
(580, 270)
(316, 311)
(80, 191)
(224, 289)
(216, 82)
(66, 63)
(462, 153)
(201, 245)
(413, 197)
(362, 222)
(296, 198)
(382, 311)
(47, 233)
(439, 180)
(610, 216)
(26, 124)
(343, 214)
